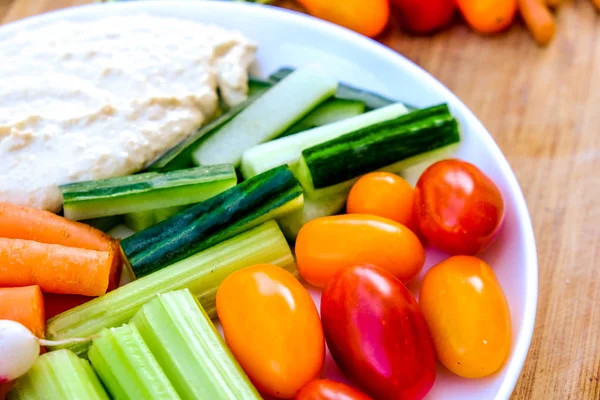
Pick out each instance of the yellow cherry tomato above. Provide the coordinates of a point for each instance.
(272, 327)
(468, 316)
(384, 194)
(327, 245)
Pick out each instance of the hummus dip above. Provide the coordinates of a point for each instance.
(96, 99)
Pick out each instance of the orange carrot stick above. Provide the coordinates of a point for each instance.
(18, 222)
(538, 19)
(24, 305)
(55, 268)
(597, 4)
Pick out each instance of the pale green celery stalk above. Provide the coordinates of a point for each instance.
(127, 367)
(59, 375)
(190, 350)
(201, 273)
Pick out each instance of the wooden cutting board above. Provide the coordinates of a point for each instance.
(543, 108)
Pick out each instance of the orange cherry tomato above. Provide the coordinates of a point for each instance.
(325, 389)
(468, 316)
(457, 207)
(384, 194)
(329, 244)
(488, 16)
(368, 18)
(272, 327)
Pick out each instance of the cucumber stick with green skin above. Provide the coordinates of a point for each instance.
(141, 220)
(346, 92)
(266, 196)
(288, 150)
(127, 367)
(59, 375)
(190, 350)
(201, 273)
(330, 111)
(267, 117)
(409, 138)
(147, 191)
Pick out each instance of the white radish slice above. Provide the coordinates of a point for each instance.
(19, 349)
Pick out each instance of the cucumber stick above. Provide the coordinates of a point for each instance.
(393, 144)
(190, 350)
(201, 274)
(331, 111)
(147, 191)
(267, 117)
(344, 91)
(288, 150)
(254, 201)
(127, 367)
(59, 375)
(258, 86)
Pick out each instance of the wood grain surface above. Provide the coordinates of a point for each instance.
(543, 108)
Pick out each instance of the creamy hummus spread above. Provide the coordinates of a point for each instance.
(96, 99)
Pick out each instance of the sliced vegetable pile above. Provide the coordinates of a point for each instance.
(206, 246)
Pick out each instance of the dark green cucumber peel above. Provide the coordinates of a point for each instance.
(380, 145)
(258, 86)
(332, 110)
(210, 222)
(345, 91)
(132, 184)
(104, 224)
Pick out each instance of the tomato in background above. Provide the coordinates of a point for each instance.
(272, 327)
(325, 389)
(457, 207)
(328, 244)
(384, 194)
(423, 16)
(467, 313)
(377, 335)
(366, 17)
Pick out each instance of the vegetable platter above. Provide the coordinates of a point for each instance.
(214, 254)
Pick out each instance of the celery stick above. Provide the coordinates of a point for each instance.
(127, 367)
(190, 350)
(59, 375)
(201, 273)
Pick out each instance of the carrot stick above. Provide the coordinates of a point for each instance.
(59, 303)
(55, 268)
(24, 305)
(18, 222)
(553, 3)
(597, 4)
(538, 19)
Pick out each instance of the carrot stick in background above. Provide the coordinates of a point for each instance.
(597, 4)
(24, 305)
(18, 222)
(55, 268)
(538, 19)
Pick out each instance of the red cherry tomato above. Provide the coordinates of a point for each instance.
(457, 207)
(423, 16)
(377, 334)
(325, 389)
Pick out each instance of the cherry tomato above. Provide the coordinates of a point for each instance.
(423, 16)
(488, 16)
(272, 327)
(377, 335)
(468, 315)
(328, 244)
(458, 208)
(383, 194)
(325, 389)
(366, 18)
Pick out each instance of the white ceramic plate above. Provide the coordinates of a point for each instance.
(289, 38)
